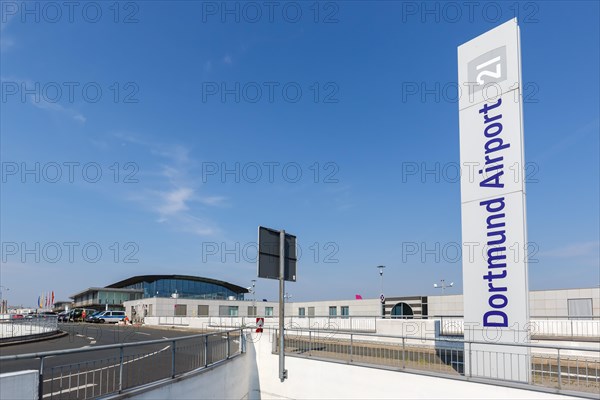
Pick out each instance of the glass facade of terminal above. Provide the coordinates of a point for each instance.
(185, 289)
(113, 297)
(100, 298)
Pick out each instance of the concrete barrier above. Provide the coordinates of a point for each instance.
(315, 379)
(233, 379)
(21, 385)
(21, 328)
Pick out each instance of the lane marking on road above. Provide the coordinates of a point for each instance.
(109, 366)
(143, 333)
(90, 338)
(79, 335)
(69, 390)
(93, 342)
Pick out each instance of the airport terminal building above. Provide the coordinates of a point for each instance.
(157, 286)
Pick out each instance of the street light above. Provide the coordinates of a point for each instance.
(5, 288)
(2, 310)
(381, 267)
(252, 289)
(443, 285)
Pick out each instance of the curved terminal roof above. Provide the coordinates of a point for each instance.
(151, 278)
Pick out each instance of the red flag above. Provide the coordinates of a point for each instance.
(358, 297)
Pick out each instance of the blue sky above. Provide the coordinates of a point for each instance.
(147, 96)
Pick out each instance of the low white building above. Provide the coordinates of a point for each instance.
(572, 303)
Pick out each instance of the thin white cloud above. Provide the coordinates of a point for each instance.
(173, 195)
(40, 102)
(80, 118)
(569, 139)
(6, 41)
(213, 200)
(175, 201)
(583, 249)
(46, 105)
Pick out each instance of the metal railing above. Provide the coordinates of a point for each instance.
(104, 370)
(571, 327)
(174, 321)
(21, 327)
(451, 325)
(552, 327)
(559, 368)
(328, 322)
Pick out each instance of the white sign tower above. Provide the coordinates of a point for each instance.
(494, 230)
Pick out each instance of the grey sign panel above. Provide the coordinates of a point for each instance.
(268, 255)
(488, 68)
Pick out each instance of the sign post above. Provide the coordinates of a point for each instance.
(282, 370)
(277, 260)
(495, 281)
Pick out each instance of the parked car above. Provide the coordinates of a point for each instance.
(93, 317)
(47, 314)
(63, 316)
(76, 314)
(111, 316)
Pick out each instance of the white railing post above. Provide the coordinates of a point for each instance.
(228, 347)
(173, 359)
(351, 347)
(558, 369)
(205, 351)
(41, 382)
(121, 369)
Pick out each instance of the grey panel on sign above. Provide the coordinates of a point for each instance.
(268, 267)
(268, 243)
(488, 68)
(268, 255)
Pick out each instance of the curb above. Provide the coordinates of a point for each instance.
(33, 338)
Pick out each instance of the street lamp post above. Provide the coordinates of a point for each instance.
(443, 285)
(3, 287)
(286, 299)
(254, 297)
(382, 297)
(2, 308)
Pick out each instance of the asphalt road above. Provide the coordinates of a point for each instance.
(90, 374)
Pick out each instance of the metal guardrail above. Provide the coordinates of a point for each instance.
(561, 327)
(173, 321)
(559, 368)
(346, 323)
(113, 369)
(21, 327)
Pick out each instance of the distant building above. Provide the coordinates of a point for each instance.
(581, 303)
(62, 305)
(149, 286)
(182, 286)
(101, 298)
